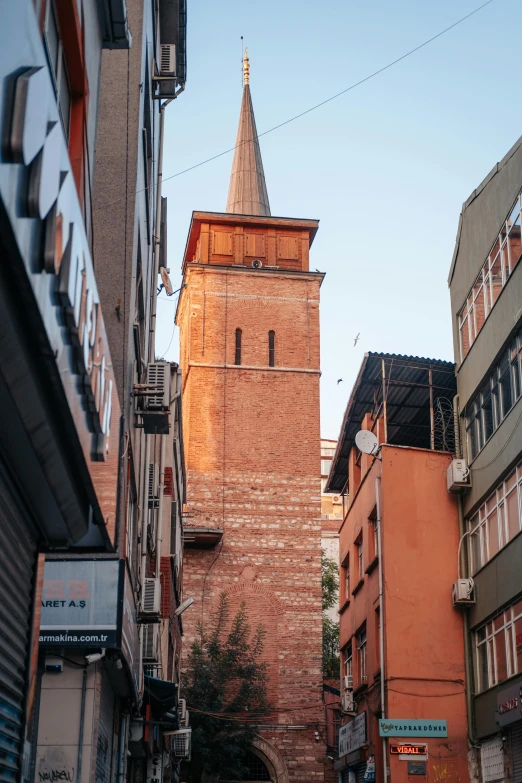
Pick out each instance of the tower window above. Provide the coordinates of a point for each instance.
(271, 348)
(237, 359)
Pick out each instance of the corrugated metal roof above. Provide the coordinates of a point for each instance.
(407, 402)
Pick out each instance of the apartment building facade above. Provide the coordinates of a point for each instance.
(79, 525)
(402, 643)
(486, 303)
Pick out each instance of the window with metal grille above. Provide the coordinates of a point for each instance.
(255, 770)
(271, 348)
(237, 359)
(492, 760)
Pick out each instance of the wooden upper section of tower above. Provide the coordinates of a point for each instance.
(240, 240)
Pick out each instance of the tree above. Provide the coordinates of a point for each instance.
(225, 676)
(330, 587)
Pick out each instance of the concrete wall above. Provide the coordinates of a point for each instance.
(59, 723)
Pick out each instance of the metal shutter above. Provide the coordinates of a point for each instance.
(516, 752)
(492, 759)
(17, 568)
(104, 754)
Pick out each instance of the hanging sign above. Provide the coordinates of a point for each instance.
(406, 751)
(407, 727)
(369, 775)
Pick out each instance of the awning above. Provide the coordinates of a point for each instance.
(162, 696)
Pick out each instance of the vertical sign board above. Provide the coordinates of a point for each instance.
(90, 603)
(352, 735)
(80, 603)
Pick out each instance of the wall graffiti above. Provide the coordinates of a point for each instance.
(55, 775)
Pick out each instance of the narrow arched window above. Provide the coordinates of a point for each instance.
(271, 348)
(237, 359)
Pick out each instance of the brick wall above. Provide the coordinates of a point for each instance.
(252, 455)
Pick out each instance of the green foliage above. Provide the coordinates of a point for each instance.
(330, 586)
(224, 675)
(330, 580)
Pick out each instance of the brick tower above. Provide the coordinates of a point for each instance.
(249, 330)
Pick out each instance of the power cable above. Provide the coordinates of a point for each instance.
(327, 100)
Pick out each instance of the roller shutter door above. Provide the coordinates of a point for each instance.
(516, 752)
(18, 552)
(104, 749)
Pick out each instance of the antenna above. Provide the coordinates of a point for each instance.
(165, 281)
(367, 442)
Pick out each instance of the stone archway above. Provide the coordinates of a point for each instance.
(270, 757)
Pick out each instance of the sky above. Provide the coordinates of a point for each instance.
(385, 167)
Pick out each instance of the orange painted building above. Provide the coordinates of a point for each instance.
(249, 329)
(402, 643)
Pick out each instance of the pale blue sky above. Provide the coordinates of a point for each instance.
(385, 168)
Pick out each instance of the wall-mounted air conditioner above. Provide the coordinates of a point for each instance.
(462, 593)
(458, 476)
(348, 682)
(167, 60)
(183, 714)
(150, 643)
(348, 703)
(151, 598)
(180, 743)
(158, 383)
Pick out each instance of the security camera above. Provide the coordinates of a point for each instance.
(94, 657)
(185, 605)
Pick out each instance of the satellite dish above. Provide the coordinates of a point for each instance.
(366, 442)
(165, 279)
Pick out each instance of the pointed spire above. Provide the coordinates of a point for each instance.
(247, 193)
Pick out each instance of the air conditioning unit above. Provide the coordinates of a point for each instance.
(462, 593)
(153, 486)
(151, 598)
(457, 476)
(348, 682)
(336, 499)
(150, 643)
(180, 742)
(183, 714)
(348, 703)
(158, 379)
(168, 60)
(256, 263)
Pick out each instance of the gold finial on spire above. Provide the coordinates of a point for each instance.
(246, 68)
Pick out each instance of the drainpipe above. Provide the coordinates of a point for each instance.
(123, 743)
(381, 624)
(463, 569)
(157, 229)
(82, 724)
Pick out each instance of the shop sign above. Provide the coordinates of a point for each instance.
(405, 751)
(509, 705)
(39, 197)
(407, 727)
(352, 735)
(90, 604)
(369, 773)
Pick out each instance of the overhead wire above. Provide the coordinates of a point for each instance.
(324, 102)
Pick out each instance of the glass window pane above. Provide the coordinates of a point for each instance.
(464, 336)
(482, 668)
(487, 415)
(513, 514)
(493, 541)
(496, 277)
(492, 674)
(505, 386)
(478, 304)
(518, 644)
(514, 244)
(515, 370)
(500, 650)
(476, 550)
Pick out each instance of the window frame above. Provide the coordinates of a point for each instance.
(503, 624)
(238, 346)
(271, 348)
(361, 645)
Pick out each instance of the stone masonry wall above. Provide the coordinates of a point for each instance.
(252, 454)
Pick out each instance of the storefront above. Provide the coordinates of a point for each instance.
(353, 751)
(59, 412)
(509, 718)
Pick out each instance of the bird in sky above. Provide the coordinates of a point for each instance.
(340, 380)
(356, 339)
